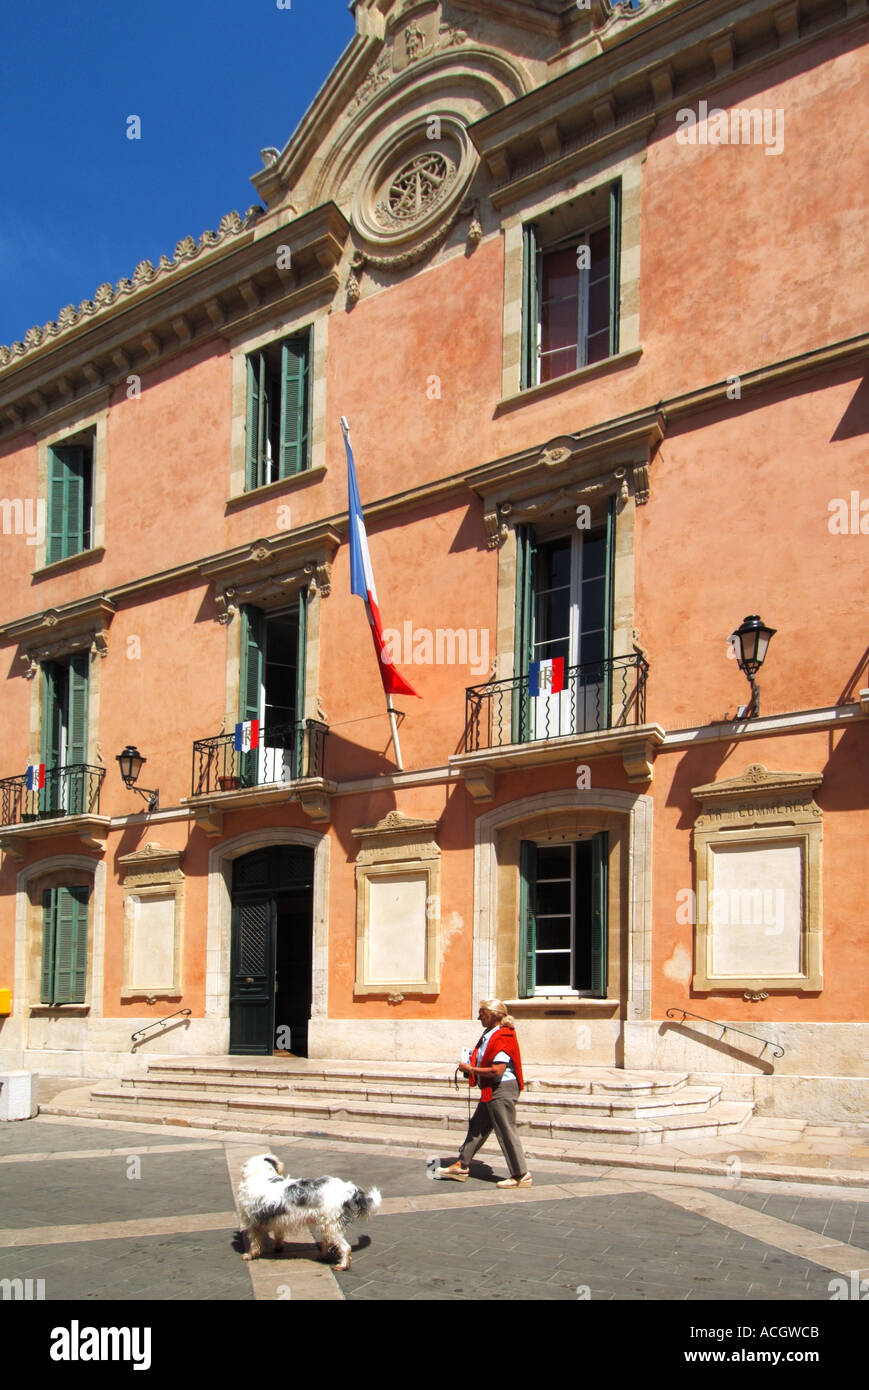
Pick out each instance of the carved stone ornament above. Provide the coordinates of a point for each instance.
(152, 864)
(416, 189)
(271, 572)
(554, 458)
(496, 527)
(59, 632)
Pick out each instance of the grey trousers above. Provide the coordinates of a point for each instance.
(499, 1114)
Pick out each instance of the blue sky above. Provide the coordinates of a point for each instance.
(213, 81)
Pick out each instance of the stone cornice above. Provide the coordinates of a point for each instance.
(756, 781)
(395, 823)
(271, 572)
(612, 434)
(209, 291)
(644, 72)
(56, 632)
(150, 859)
(569, 470)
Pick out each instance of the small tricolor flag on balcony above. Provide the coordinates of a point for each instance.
(35, 776)
(247, 736)
(546, 677)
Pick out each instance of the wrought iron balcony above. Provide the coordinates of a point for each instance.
(73, 790)
(286, 753)
(597, 695)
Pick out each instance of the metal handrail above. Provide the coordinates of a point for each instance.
(160, 1023)
(777, 1049)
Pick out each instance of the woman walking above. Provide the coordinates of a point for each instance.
(496, 1067)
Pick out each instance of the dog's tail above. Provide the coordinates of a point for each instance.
(361, 1206)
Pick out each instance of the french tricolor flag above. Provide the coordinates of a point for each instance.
(362, 580)
(247, 736)
(546, 677)
(35, 777)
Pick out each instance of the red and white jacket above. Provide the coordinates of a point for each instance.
(502, 1040)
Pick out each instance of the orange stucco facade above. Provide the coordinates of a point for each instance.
(717, 436)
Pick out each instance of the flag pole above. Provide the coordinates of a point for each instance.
(394, 726)
(393, 723)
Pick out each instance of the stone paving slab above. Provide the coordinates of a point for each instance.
(166, 1268)
(508, 1251)
(101, 1190)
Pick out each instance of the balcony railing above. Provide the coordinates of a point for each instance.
(287, 753)
(73, 790)
(597, 695)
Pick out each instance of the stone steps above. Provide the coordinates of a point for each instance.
(269, 1072)
(601, 1141)
(305, 1114)
(393, 1098)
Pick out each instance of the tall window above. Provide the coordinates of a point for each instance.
(65, 734)
(70, 498)
(571, 291)
(564, 614)
(64, 945)
(278, 411)
(563, 918)
(273, 691)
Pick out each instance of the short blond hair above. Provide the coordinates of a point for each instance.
(499, 1009)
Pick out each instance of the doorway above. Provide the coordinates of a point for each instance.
(271, 952)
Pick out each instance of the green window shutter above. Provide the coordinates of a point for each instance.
(252, 661)
(49, 914)
(300, 656)
(56, 527)
(302, 742)
(294, 405)
(77, 710)
(253, 454)
(70, 950)
(599, 844)
(609, 573)
(51, 735)
(615, 263)
(523, 629)
(52, 716)
(527, 921)
(251, 684)
(530, 307)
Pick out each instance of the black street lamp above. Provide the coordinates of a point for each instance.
(131, 763)
(750, 642)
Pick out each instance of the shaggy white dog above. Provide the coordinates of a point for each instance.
(274, 1205)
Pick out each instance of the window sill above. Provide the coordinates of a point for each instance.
(562, 1005)
(565, 383)
(261, 494)
(84, 557)
(60, 1010)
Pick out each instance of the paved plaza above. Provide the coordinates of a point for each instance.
(98, 1210)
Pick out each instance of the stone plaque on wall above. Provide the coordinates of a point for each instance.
(755, 909)
(757, 846)
(153, 920)
(152, 944)
(397, 908)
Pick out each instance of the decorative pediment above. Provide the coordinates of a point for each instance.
(152, 864)
(568, 472)
(758, 793)
(270, 573)
(397, 837)
(59, 632)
